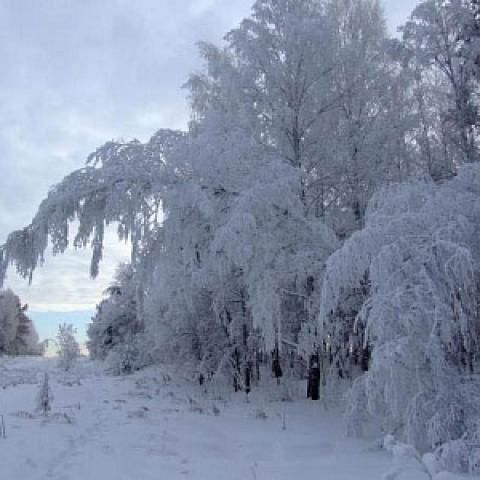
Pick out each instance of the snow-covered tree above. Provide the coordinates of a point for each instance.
(116, 315)
(18, 335)
(68, 347)
(227, 220)
(366, 143)
(416, 264)
(116, 333)
(442, 48)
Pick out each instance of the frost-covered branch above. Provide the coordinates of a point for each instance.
(123, 183)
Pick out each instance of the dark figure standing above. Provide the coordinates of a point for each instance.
(247, 378)
(276, 368)
(313, 386)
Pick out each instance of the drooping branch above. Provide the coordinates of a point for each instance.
(119, 183)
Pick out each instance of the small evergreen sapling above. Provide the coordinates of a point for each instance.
(44, 397)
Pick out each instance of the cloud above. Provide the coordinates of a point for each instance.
(63, 283)
(78, 73)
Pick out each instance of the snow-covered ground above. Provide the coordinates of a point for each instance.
(148, 426)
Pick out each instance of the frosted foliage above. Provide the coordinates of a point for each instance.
(18, 335)
(356, 415)
(132, 354)
(121, 184)
(420, 252)
(236, 234)
(266, 310)
(234, 219)
(8, 321)
(68, 347)
(442, 40)
(297, 118)
(116, 317)
(116, 333)
(269, 239)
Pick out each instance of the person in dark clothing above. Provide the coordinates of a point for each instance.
(247, 378)
(276, 369)
(313, 385)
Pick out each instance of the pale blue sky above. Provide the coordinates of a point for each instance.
(76, 73)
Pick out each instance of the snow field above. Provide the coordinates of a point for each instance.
(147, 427)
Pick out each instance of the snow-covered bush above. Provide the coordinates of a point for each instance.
(420, 253)
(133, 353)
(68, 347)
(462, 455)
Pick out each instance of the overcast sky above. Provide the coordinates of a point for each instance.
(76, 73)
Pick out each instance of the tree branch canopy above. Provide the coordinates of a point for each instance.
(118, 184)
